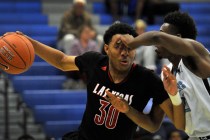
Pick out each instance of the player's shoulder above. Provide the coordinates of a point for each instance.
(93, 57)
(142, 71)
(94, 54)
(198, 46)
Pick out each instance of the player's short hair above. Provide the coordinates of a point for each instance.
(183, 22)
(118, 28)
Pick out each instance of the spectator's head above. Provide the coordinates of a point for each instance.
(120, 56)
(79, 7)
(180, 24)
(140, 26)
(85, 32)
(175, 135)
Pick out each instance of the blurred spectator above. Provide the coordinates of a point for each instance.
(79, 46)
(72, 20)
(118, 8)
(136, 7)
(151, 8)
(85, 42)
(140, 8)
(158, 7)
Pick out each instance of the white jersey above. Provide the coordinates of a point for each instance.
(196, 99)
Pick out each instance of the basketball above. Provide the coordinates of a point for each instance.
(16, 53)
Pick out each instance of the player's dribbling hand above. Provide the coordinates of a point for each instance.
(169, 81)
(116, 101)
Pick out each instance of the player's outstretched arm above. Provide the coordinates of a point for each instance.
(173, 107)
(178, 46)
(174, 44)
(150, 122)
(53, 56)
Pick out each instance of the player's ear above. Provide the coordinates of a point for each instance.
(106, 48)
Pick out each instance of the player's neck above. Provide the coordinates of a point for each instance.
(117, 76)
(175, 62)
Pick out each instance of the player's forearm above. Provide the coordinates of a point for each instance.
(49, 54)
(179, 117)
(145, 39)
(142, 120)
(172, 43)
(178, 113)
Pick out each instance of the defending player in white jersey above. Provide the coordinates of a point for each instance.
(190, 64)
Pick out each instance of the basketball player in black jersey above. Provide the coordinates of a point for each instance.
(117, 74)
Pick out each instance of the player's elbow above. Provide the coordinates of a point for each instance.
(154, 128)
(61, 64)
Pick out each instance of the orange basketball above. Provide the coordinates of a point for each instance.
(16, 53)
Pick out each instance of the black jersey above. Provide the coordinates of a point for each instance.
(101, 121)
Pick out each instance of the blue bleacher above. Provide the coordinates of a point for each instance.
(22, 83)
(153, 28)
(105, 19)
(99, 8)
(14, 1)
(54, 97)
(195, 8)
(201, 20)
(20, 7)
(23, 19)
(48, 40)
(57, 129)
(43, 113)
(202, 30)
(42, 68)
(38, 59)
(35, 30)
(205, 40)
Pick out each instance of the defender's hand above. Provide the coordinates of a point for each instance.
(119, 103)
(169, 81)
(126, 39)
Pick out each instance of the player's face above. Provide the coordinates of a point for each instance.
(121, 58)
(161, 51)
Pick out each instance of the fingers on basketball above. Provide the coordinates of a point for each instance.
(16, 53)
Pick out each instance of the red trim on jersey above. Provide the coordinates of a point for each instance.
(132, 68)
(104, 68)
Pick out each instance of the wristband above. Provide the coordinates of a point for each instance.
(176, 99)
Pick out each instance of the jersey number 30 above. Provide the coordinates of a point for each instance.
(108, 118)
